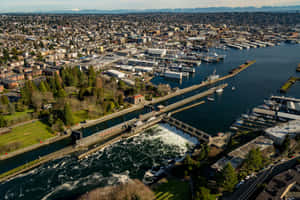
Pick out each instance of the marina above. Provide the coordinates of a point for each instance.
(274, 110)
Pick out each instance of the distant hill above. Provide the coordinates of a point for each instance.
(189, 10)
(180, 10)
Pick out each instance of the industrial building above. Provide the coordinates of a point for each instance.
(171, 74)
(278, 133)
(237, 156)
(115, 73)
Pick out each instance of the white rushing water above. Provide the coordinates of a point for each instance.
(129, 158)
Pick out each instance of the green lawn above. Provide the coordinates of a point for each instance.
(26, 135)
(80, 116)
(18, 115)
(172, 190)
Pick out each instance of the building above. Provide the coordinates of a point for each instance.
(237, 156)
(285, 185)
(1, 88)
(137, 99)
(145, 63)
(115, 73)
(156, 52)
(175, 75)
(143, 69)
(278, 133)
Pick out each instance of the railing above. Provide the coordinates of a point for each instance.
(201, 135)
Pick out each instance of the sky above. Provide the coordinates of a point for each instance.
(48, 5)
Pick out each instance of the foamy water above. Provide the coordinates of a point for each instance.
(129, 158)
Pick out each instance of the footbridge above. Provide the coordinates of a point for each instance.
(200, 135)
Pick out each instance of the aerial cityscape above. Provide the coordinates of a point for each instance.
(147, 101)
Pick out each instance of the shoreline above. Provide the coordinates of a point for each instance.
(70, 149)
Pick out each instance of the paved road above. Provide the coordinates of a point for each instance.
(245, 191)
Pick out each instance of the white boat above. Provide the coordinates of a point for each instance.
(220, 90)
(210, 99)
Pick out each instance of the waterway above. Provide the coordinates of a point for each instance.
(273, 67)
(130, 158)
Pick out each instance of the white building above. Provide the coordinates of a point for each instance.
(125, 68)
(278, 133)
(143, 69)
(157, 52)
(115, 73)
(175, 75)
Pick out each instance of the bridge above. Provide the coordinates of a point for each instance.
(200, 135)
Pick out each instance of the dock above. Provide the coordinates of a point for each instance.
(187, 107)
(288, 84)
(193, 98)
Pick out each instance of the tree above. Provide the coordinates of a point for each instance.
(204, 194)
(3, 122)
(91, 76)
(11, 108)
(68, 116)
(254, 160)
(110, 106)
(42, 87)
(61, 93)
(37, 100)
(120, 99)
(228, 178)
(58, 81)
(4, 100)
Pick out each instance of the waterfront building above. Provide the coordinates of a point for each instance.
(279, 133)
(115, 73)
(137, 99)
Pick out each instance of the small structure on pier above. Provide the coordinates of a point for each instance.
(137, 99)
(75, 136)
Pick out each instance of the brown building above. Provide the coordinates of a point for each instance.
(137, 99)
(10, 84)
(1, 88)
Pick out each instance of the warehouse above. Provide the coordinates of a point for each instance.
(115, 73)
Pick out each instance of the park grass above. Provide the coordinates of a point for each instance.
(26, 135)
(173, 189)
(18, 115)
(80, 116)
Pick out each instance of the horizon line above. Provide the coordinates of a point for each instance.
(141, 9)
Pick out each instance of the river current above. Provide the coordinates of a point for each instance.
(130, 158)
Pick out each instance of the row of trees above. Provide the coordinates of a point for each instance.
(58, 97)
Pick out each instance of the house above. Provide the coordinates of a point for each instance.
(10, 84)
(1, 88)
(137, 99)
